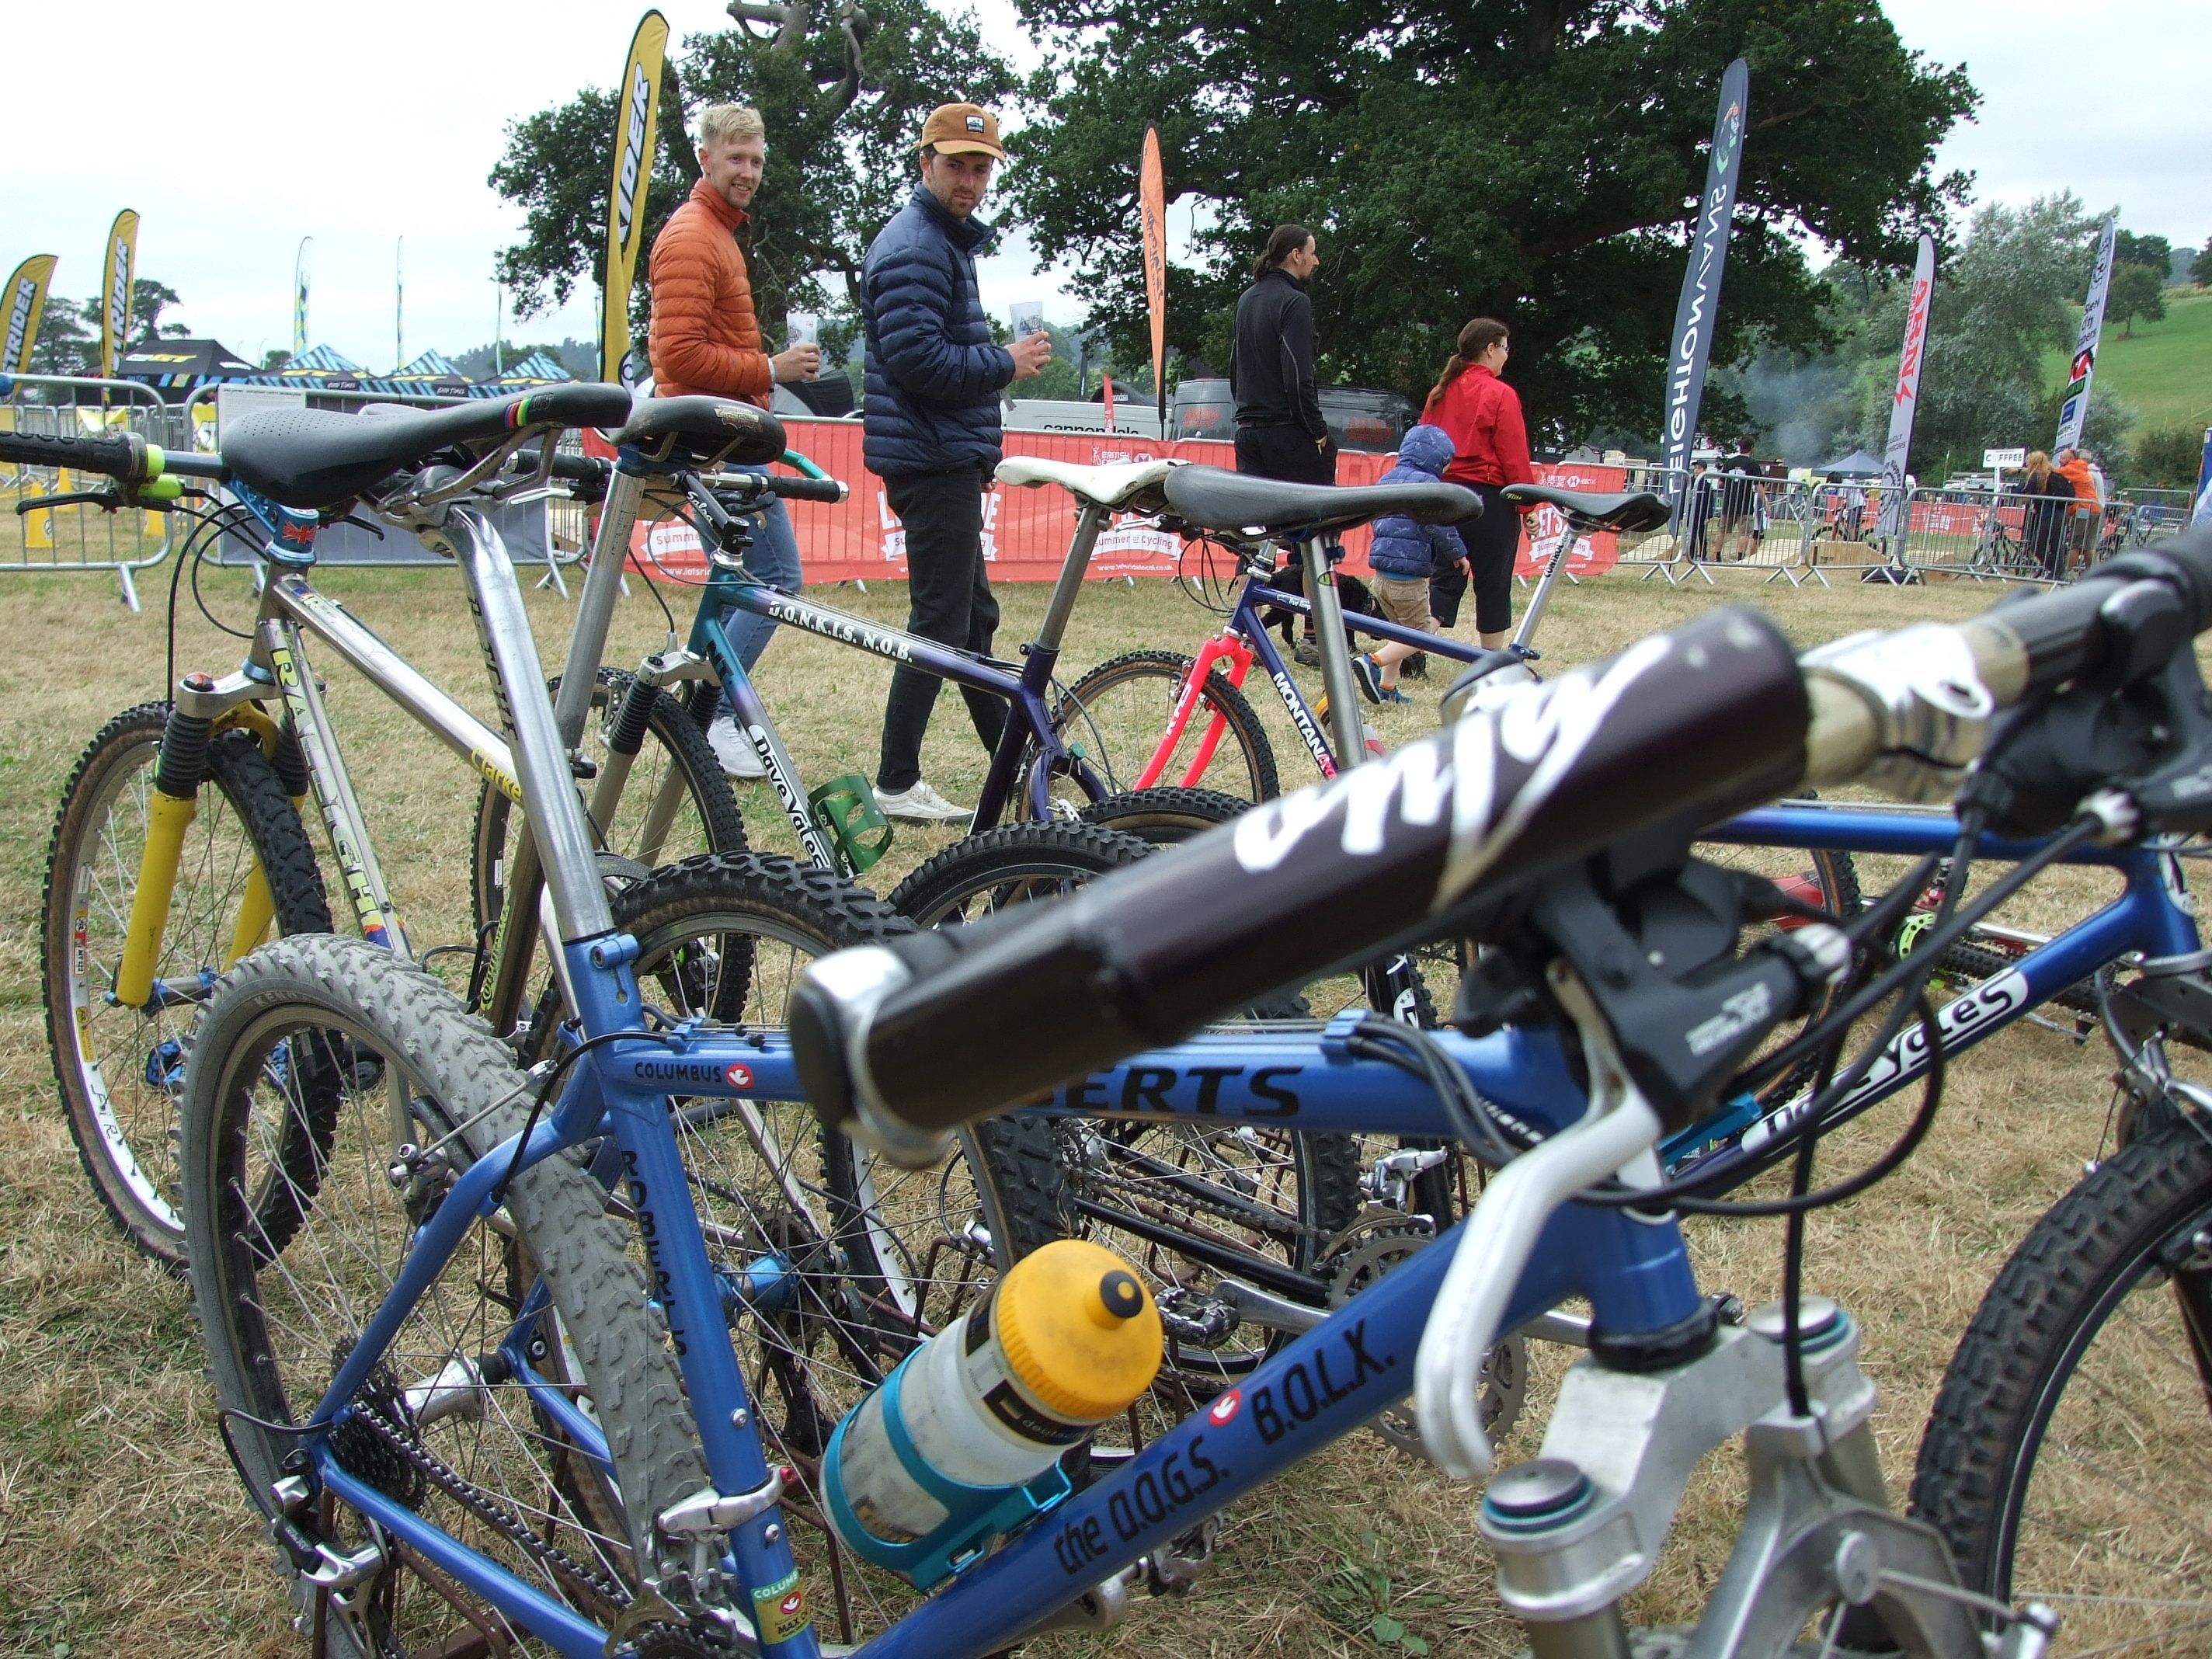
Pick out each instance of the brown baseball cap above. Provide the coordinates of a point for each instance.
(962, 130)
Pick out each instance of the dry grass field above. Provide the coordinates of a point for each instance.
(121, 1527)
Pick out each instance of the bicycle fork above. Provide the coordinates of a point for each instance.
(1579, 1527)
(201, 709)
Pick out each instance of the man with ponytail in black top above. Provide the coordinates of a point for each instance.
(1272, 374)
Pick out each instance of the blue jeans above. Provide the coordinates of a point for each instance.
(773, 558)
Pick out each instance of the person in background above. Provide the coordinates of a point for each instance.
(704, 337)
(1272, 372)
(2042, 526)
(1405, 556)
(931, 431)
(1699, 512)
(2089, 501)
(1739, 499)
(1481, 414)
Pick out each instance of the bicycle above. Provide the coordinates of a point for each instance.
(872, 1026)
(138, 924)
(838, 825)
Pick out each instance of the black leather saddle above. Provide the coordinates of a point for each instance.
(310, 458)
(1639, 510)
(702, 432)
(1212, 498)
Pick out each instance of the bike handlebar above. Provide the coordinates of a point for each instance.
(123, 455)
(1686, 727)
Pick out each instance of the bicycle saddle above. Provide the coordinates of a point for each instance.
(1211, 498)
(1639, 510)
(709, 430)
(1119, 485)
(310, 458)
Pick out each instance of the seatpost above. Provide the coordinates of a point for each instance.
(1345, 723)
(1088, 523)
(1554, 567)
(595, 610)
(541, 761)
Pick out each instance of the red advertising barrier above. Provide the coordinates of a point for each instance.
(1026, 532)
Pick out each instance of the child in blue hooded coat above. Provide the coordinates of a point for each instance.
(1405, 556)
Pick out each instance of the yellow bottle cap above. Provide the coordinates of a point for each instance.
(1077, 1329)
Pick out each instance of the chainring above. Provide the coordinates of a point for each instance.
(1363, 1254)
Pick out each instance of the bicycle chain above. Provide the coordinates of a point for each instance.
(1272, 1222)
(488, 1509)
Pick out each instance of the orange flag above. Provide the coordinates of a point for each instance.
(1153, 213)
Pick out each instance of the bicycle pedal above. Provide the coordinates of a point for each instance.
(1194, 1320)
(1175, 1567)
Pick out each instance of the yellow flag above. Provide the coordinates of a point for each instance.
(637, 111)
(115, 289)
(23, 303)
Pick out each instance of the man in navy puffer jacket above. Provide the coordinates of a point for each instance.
(1405, 555)
(931, 431)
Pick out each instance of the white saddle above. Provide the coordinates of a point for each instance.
(1116, 486)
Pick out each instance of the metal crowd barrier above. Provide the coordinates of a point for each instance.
(82, 537)
(1986, 535)
(1778, 527)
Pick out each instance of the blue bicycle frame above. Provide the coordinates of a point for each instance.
(1637, 1276)
(2151, 918)
(1635, 1273)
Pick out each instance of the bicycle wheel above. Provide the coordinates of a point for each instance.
(845, 1262)
(444, 1423)
(677, 803)
(2068, 1456)
(1117, 716)
(1198, 1208)
(118, 1069)
(1165, 815)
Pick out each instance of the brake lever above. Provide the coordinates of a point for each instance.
(1617, 1134)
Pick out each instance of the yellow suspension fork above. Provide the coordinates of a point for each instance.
(170, 807)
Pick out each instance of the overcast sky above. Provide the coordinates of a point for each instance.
(258, 122)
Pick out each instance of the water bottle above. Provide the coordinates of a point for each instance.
(962, 1443)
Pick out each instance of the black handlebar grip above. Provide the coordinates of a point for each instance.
(119, 455)
(808, 489)
(1686, 727)
(582, 468)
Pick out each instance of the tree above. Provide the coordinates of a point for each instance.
(1538, 162)
(2136, 291)
(2167, 459)
(843, 92)
(2152, 252)
(2200, 269)
(2009, 295)
(69, 334)
(275, 360)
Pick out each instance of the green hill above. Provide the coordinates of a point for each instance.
(2165, 371)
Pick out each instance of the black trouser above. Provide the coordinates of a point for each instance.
(1286, 453)
(1494, 542)
(950, 601)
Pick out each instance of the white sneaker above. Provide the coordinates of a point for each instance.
(734, 749)
(921, 805)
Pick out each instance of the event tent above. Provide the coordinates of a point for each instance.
(181, 365)
(538, 368)
(1856, 464)
(432, 375)
(321, 369)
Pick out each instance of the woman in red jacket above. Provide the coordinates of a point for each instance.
(1490, 450)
